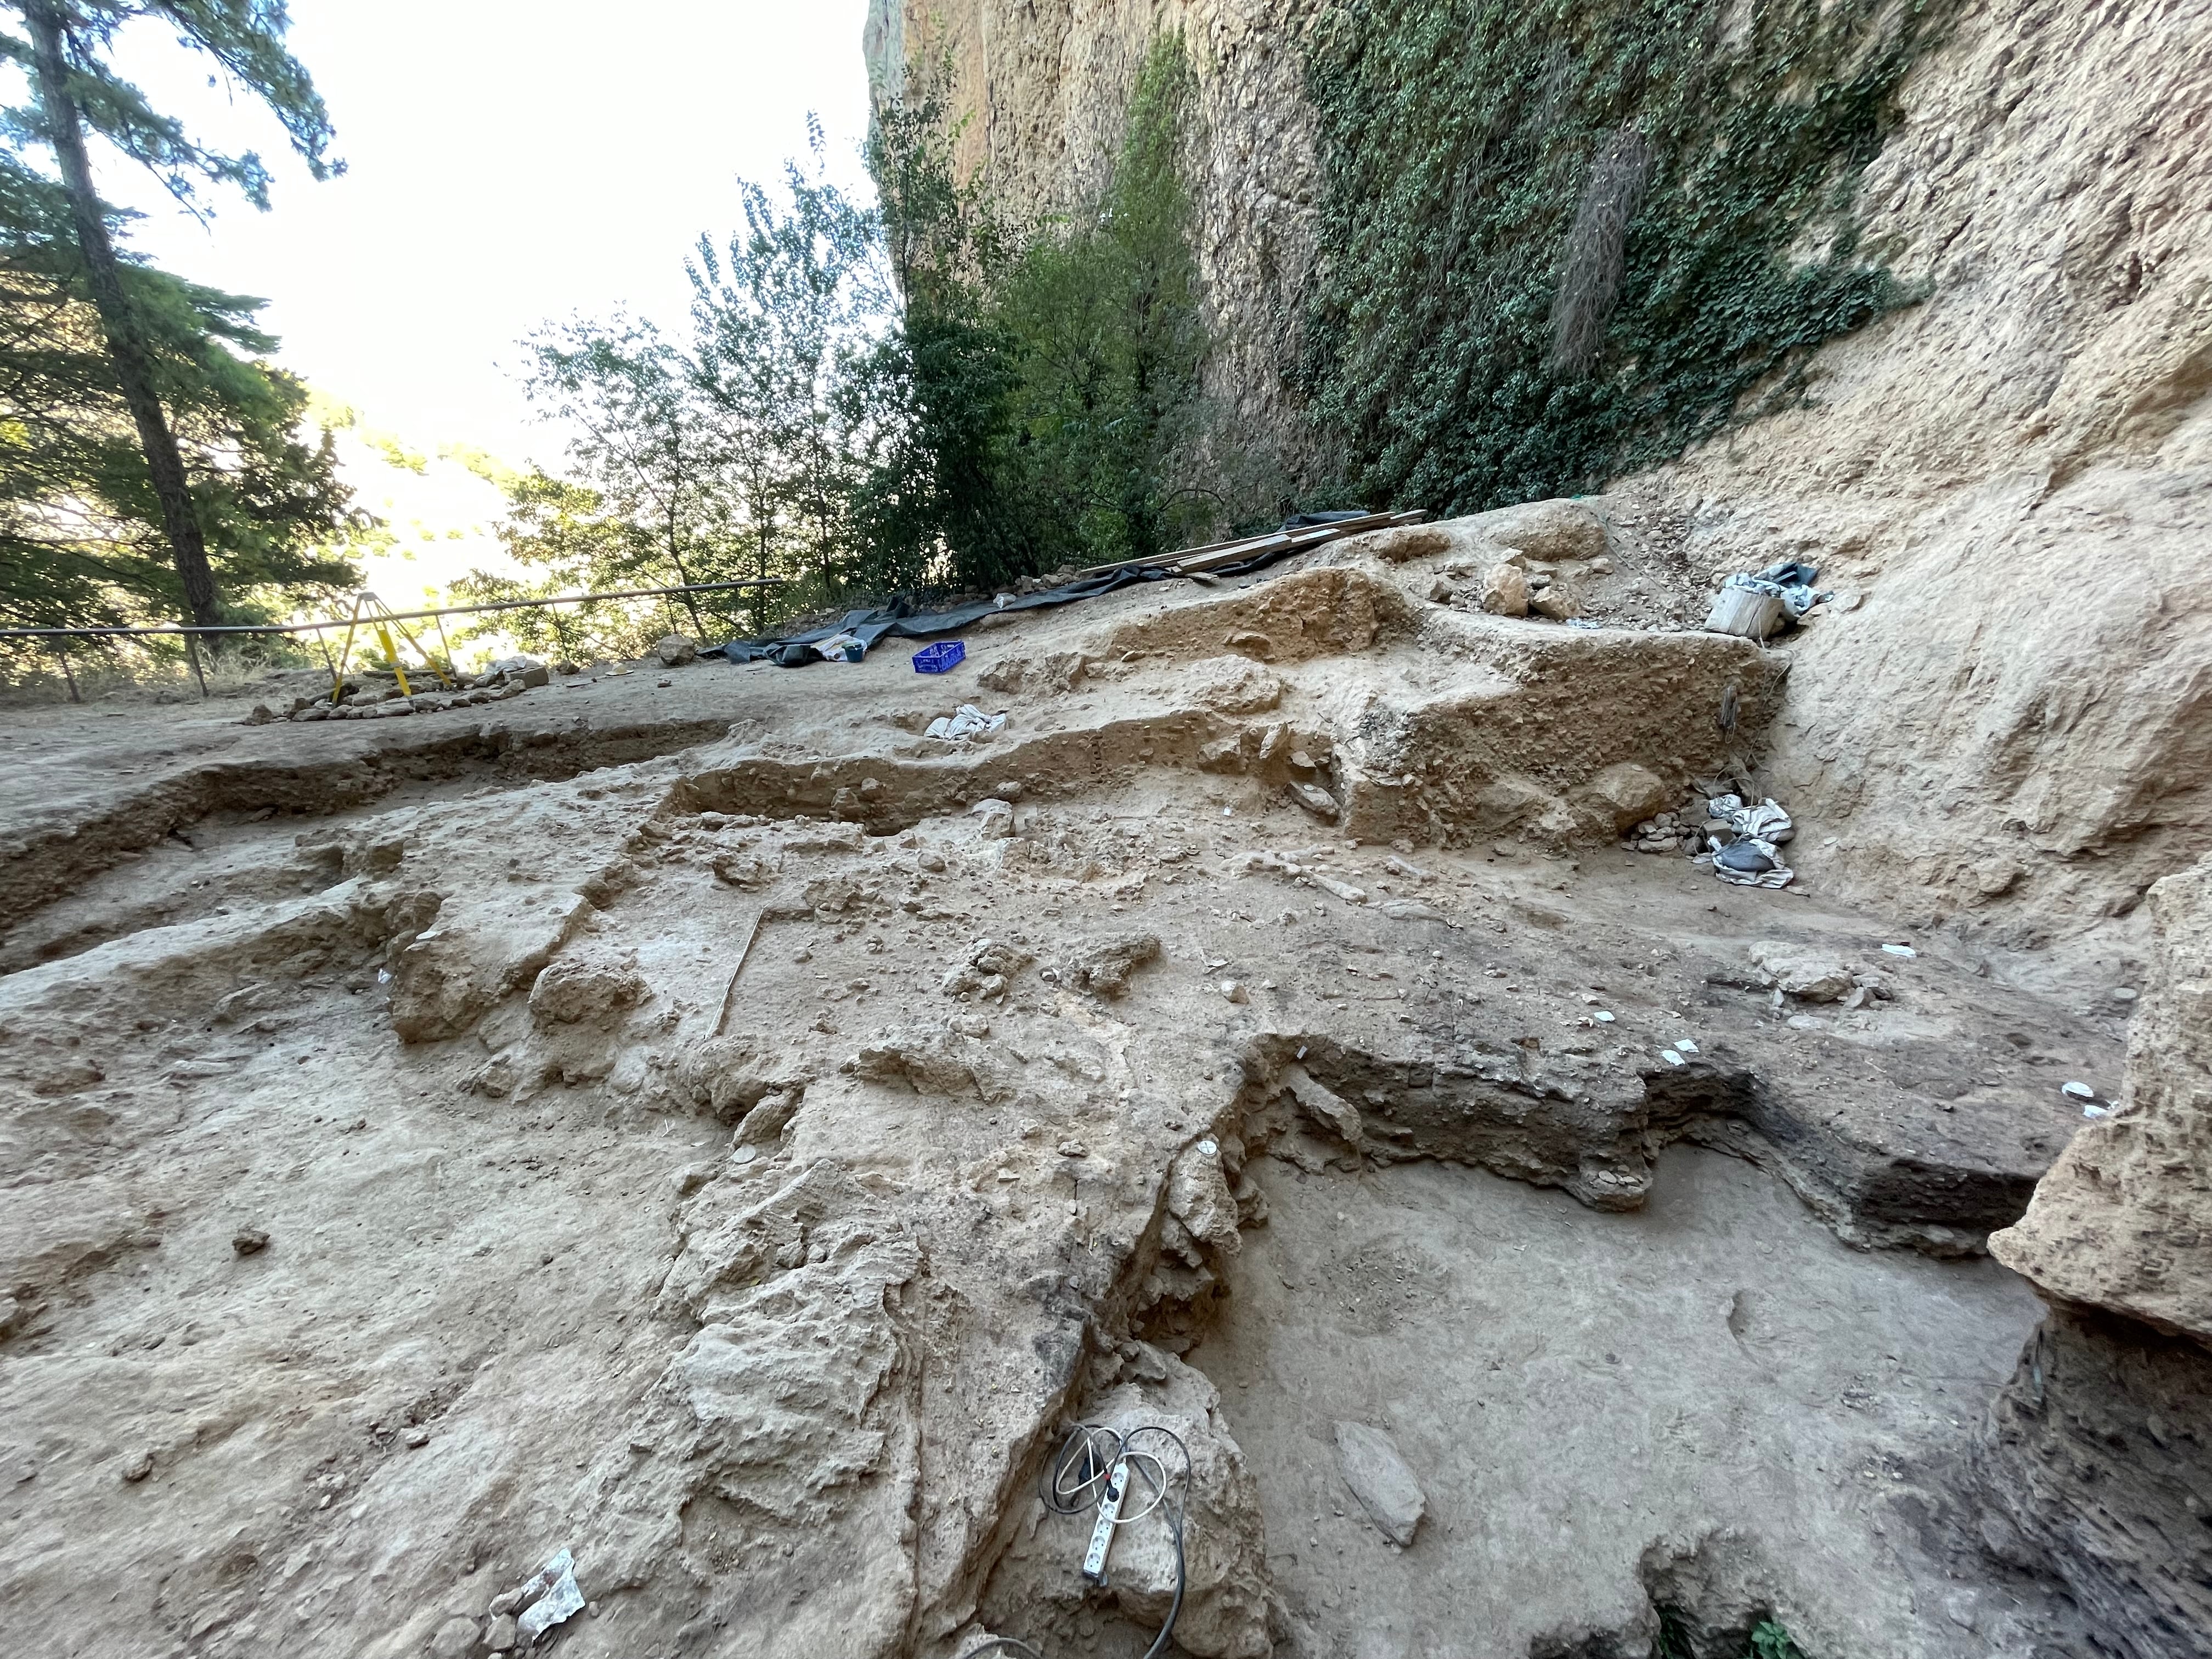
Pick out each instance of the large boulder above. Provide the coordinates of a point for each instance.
(2123, 1220)
(2097, 1457)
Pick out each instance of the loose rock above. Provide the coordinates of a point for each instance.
(1380, 1482)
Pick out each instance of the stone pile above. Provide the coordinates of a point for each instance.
(1678, 831)
(382, 699)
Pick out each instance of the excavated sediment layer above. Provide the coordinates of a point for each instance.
(623, 1161)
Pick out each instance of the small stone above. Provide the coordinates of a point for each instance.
(509, 1602)
(1380, 1482)
(1071, 1149)
(1559, 602)
(418, 1439)
(674, 650)
(2078, 1092)
(453, 1639)
(1505, 591)
(2123, 993)
(1235, 991)
(139, 1467)
(501, 1635)
(249, 1241)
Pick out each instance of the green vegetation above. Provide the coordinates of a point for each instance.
(1557, 241)
(152, 460)
(1769, 1640)
(926, 398)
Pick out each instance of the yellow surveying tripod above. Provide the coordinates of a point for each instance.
(368, 608)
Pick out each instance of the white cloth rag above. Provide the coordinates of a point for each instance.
(1762, 828)
(969, 722)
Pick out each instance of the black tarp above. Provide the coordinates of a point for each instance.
(899, 620)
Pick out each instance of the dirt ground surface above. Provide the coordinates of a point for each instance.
(716, 1129)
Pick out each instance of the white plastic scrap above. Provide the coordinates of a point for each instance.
(558, 1597)
(1900, 950)
(1762, 828)
(2078, 1091)
(969, 722)
(1687, 1046)
(1670, 1057)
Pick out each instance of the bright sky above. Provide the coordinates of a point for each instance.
(509, 163)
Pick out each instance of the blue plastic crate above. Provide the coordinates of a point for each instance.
(936, 658)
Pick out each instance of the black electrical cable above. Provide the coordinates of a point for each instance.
(1088, 1454)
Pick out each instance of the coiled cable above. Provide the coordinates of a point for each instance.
(1077, 1480)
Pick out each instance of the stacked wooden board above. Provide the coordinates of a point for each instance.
(1197, 560)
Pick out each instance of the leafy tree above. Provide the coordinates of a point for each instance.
(656, 511)
(1048, 376)
(574, 539)
(62, 50)
(781, 316)
(925, 397)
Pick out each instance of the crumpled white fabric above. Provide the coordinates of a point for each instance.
(969, 722)
(559, 1597)
(1763, 827)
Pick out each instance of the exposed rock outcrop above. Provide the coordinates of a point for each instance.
(2098, 1454)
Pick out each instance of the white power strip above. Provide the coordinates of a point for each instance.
(1110, 1514)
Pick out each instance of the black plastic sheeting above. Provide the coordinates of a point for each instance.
(898, 620)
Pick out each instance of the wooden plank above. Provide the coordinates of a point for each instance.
(729, 995)
(1214, 553)
(1311, 535)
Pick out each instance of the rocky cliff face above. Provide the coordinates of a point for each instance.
(1048, 87)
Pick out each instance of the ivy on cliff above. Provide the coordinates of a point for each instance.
(1557, 241)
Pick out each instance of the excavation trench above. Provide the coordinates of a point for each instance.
(47, 863)
(757, 1158)
(1639, 1381)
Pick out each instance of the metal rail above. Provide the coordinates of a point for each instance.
(174, 629)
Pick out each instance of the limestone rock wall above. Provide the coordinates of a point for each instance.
(1046, 86)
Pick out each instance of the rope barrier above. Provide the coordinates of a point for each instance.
(173, 629)
(379, 619)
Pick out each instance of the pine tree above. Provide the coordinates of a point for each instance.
(75, 91)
